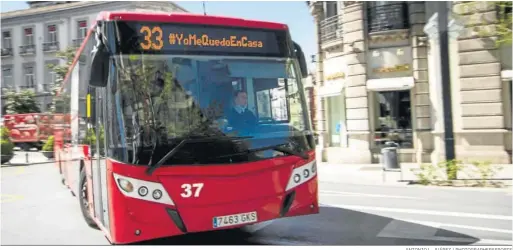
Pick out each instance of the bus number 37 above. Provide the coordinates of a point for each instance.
(188, 189)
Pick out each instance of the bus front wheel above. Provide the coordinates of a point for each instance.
(84, 202)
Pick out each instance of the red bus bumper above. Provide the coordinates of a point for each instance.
(265, 191)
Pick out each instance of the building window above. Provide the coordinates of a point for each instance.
(331, 9)
(30, 78)
(52, 33)
(7, 78)
(336, 121)
(6, 40)
(393, 121)
(29, 37)
(387, 15)
(330, 27)
(50, 76)
(82, 29)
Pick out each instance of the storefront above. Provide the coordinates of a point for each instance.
(335, 109)
(389, 82)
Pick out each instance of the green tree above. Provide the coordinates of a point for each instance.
(21, 102)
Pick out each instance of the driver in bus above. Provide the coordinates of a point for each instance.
(240, 117)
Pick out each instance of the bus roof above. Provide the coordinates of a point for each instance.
(188, 18)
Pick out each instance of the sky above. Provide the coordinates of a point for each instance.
(293, 13)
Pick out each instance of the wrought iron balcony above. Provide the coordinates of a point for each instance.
(7, 52)
(27, 49)
(392, 16)
(46, 88)
(331, 29)
(77, 42)
(50, 46)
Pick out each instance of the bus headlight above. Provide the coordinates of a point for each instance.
(302, 174)
(143, 191)
(158, 194)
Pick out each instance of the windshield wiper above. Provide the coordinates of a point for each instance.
(170, 154)
(289, 151)
(279, 148)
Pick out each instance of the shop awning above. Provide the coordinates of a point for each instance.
(330, 90)
(391, 84)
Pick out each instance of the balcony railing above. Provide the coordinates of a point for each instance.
(46, 87)
(27, 49)
(77, 42)
(50, 46)
(392, 16)
(331, 29)
(7, 52)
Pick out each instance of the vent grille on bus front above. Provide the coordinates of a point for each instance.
(177, 219)
(287, 202)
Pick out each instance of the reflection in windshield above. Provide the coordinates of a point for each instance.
(157, 101)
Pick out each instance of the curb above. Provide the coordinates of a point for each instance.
(25, 164)
(506, 190)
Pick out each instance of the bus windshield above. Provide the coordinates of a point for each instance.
(155, 101)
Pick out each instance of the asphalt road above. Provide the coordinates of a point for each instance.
(37, 210)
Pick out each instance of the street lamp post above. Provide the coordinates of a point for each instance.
(439, 29)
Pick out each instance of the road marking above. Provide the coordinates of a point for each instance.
(494, 242)
(425, 212)
(438, 225)
(337, 193)
(425, 230)
(470, 241)
(6, 198)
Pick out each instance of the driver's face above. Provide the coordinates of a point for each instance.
(242, 99)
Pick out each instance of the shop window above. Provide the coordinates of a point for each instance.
(336, 121)
(394, 121)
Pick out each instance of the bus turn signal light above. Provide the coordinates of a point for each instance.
(126, 185)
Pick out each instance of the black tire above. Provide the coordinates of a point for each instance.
(83, 200)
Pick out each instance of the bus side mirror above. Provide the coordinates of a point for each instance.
(301, 58)
(99, 67)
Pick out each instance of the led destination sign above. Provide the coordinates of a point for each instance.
(194, 39)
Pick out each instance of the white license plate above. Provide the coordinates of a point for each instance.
(234, 219)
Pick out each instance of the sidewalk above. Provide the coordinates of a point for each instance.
(28, 158)
(374, 174)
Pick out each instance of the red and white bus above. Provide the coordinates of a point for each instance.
(199, 122)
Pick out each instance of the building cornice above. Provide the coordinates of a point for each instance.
(29, 15)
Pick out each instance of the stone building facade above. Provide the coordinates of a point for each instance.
(378, 79)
